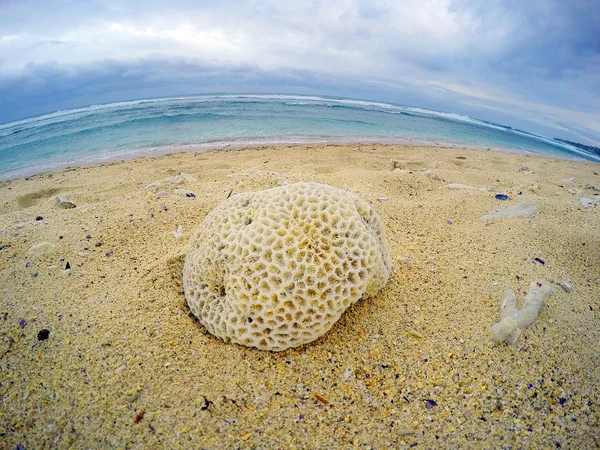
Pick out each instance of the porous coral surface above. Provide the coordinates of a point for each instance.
(277, 268)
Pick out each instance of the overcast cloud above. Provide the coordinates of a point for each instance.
(533, 65)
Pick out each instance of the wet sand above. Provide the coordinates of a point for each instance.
(125, 365)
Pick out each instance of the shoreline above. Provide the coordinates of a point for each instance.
(122, 363)
(110, 156)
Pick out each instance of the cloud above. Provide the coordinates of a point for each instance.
(534, 62)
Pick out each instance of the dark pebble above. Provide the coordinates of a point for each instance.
(541, 261)
(430, 404)
(22, 323)
(68, 266)
(27, 264)
(562, 400)
(502, 197)
(43, 334)
(38, 218)
(190, 195)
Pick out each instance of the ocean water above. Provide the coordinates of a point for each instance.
(144, 127)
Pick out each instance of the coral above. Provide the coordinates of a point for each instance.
(512, 320)
(276, 269)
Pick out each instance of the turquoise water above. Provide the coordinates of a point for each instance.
(127, 129)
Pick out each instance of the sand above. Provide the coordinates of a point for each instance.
(125, 365)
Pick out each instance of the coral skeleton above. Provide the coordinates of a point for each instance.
(513, 320)
(276, 269)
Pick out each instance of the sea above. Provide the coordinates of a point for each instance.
(115, 131)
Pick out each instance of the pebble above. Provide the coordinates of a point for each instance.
(565, 286)
(184, 193)
(43, 334)
(586, 202)
(526, 170)
(502, 197)
(405, 431)
(179, 232)
(64, 202)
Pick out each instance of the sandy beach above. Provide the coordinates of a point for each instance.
(105, 354)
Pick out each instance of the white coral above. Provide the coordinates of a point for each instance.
(513, 320)
(277, 268)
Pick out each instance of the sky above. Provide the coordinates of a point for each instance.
(533, 64)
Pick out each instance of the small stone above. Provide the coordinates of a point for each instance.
(179, 232)
(586, 202)
(398, 165)
(39, 218)
(430, 404)
(64, 202)
(43, 334)
(185, 193)
(565, 286)
(502, 197)
(22, 323)
(67, 266)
